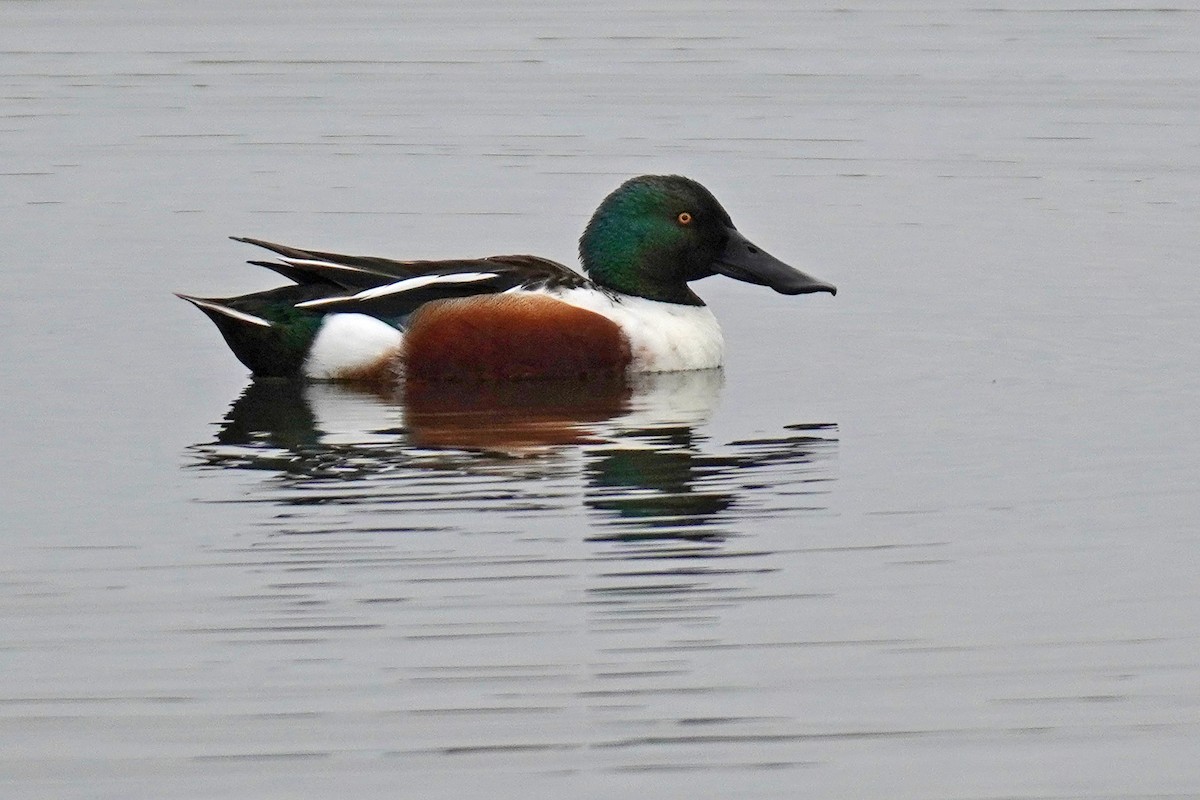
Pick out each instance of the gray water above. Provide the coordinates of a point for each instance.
(934, 537)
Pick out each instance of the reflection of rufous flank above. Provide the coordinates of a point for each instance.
(510, 416)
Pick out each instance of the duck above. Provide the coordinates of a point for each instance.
(510, 317)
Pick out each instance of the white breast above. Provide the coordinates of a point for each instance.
(663, 337)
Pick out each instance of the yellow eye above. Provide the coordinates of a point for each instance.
(684, 218)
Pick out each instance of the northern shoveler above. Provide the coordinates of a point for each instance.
(362, 318)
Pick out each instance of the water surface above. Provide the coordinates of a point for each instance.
(934, 537)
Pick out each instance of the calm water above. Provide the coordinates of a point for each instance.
(935, 537)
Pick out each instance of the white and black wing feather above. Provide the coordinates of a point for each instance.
(392, 290)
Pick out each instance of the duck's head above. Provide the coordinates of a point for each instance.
(656, 233)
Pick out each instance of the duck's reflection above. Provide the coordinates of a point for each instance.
(515, 418)
(647, 467)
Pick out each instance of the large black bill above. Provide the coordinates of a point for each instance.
(746, 261)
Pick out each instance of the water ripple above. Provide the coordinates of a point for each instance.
(632, 461)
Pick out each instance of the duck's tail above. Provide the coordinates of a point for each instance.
(266, 333)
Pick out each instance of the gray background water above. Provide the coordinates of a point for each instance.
(934, 537)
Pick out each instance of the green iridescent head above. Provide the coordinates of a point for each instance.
(653, 235)
(656, 233)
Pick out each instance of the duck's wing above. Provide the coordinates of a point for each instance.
(355, 273)
(335, 269)
(392, 290)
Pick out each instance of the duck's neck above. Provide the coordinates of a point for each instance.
(679, 294)
(620, 260)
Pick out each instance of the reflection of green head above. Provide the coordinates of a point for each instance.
(653, 235)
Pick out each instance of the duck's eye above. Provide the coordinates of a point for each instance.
(684, 218)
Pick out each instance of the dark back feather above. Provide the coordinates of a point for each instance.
(358, 284)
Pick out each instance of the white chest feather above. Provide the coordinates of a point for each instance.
(663, 337)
